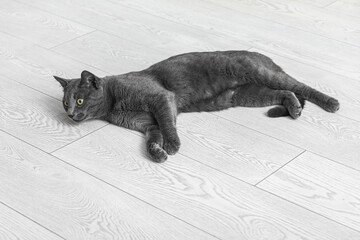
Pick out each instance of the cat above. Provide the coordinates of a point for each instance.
(150, 100)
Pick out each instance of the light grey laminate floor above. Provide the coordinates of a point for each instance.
(239, 174)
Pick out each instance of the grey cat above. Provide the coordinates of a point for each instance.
(149, 100)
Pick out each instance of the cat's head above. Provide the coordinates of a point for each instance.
(82, 96)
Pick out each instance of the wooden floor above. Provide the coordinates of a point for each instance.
(239, 174)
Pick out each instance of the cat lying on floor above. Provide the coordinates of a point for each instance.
(149, 101)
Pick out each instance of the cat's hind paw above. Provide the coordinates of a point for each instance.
(157, 154)
(295, 111)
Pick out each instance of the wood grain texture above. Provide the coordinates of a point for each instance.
(230, 148)
(37, 118)
(204, 185)
(321, 185)
(346, 90)
(114, 55)
(349, 7)
(20, 62)
(37, 26)
(150, 31)
(324, 133)
(14, 226)
(311, 49)
(202, 196)
(300, 15)
(318, 3)
(76, 205)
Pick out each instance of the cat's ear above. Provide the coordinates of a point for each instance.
(88, 78)
(62, 81)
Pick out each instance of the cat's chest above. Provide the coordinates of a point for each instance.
(130, 104)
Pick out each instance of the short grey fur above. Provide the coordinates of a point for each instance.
(149, 100)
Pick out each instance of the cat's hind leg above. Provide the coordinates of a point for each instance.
(252, 95)
(271, 75)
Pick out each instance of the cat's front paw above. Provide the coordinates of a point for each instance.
(172, 146)
(156, 152)
(332, 105)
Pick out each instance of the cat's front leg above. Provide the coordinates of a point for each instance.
(164, 108)
(142, 122)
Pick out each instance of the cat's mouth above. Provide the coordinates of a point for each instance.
(78, 118)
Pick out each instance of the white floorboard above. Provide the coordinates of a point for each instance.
(217, 203)
(238, 175)
(14, 226)
(75, 205)
(309, 181)
(37, 26)
(348, 7)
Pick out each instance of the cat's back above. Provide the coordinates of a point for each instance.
(193, 69)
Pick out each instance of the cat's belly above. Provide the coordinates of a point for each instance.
(203, 89)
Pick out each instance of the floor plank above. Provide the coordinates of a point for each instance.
(206, 198)
(37, 118)
(312, 49)
(110, 53)
(15, 226)
(349, 7)
(76, 205)
(318, 3)
(20, 62)
(302, 16)
(148, 30)
(37, 26)
(230, 148)
(113, 54)
(327, 134)
(321, 185)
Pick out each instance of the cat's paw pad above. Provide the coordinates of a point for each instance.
(157, 154)
(332, 105)
(172, 146)
(295, 111)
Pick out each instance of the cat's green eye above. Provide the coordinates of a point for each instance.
(80, 101)
(66, 104)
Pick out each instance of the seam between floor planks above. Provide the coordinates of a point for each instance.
(32, 220)
(64, 42)
(281, 167)
(79, 138)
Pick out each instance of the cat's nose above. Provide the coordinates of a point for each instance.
(70, 115)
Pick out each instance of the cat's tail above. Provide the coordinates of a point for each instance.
(281, 111)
